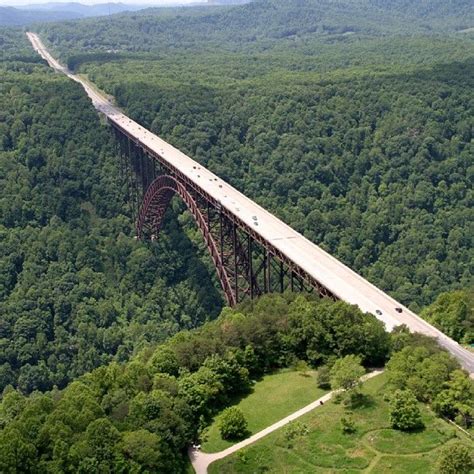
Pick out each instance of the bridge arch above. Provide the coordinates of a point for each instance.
(150, 219)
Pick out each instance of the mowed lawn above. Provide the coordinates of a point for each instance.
(374, 447)
(272, 398)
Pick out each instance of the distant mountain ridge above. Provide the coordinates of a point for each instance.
(227, 2)
(265, 20)
(272, 18)
(277, 17)
(84, 10)
(56, 11)
(10, 16)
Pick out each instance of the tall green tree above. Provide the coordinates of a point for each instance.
(404, 411)
(346, 373)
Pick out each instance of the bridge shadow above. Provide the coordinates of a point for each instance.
(198, 270)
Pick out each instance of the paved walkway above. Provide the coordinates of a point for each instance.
(201, 461)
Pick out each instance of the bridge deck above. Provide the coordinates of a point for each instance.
(330, 272)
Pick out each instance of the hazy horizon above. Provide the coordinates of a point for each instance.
(13, 3)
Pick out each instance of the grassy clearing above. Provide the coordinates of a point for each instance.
(396, 442)
(272, 398)
(374, 447)
(420, 464)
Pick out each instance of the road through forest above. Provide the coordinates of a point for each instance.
(312, 260)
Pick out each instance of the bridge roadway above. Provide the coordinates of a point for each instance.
(343, 282)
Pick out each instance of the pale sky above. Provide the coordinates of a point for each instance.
(92, 2)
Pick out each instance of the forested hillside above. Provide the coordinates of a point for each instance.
(363, 142)
(76, 289)
(22, 15)
(141, 416)
(351, 120)
(453, 313)
(261, 24)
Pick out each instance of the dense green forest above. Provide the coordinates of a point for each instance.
(371, 168)
(260, 25)
(362, 142)
(364, 146)
(141, 416)
(350, 120)
(453, 313)
(76, 289)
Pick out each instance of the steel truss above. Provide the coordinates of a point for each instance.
(247, 265)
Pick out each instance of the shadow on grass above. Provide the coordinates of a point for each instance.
(356, 401)
(236, 439)
(238, 397)
(411, 431)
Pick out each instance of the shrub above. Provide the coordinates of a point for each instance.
(323, 379)
(232, 424)
(302, 367)
(345, 374)
(348, 425)
(295, 430)
(455, 459)
(404, 411)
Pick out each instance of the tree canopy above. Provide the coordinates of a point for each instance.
(143, 414)
(232, 424)
(453, 313)
(346, 373)
(76, 289)
(344, 119)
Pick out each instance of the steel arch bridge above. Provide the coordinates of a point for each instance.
(254, 252)
(246, 264)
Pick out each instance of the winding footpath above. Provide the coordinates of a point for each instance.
(201, 461)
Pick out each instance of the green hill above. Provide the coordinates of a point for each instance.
(260, 24)
(56, 11)
(350, 120)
